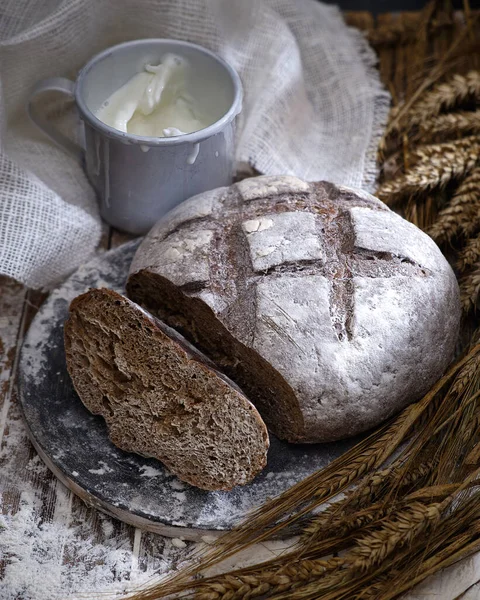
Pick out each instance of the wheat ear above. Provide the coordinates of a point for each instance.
(401, 530)
(285, 573)
(379, 550)
(445, 96)
(237, 587)
(463, 527)
(435, 74)
(461, 215)
(361, 505)
(449, 125)
(374, 550)
(436, 166)
(416, 567)
(470, 255)
(470, 289)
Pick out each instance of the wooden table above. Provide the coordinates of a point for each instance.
(81, 547)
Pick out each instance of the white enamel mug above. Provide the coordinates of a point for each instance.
(138, 179)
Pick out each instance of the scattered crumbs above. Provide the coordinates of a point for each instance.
(102, 470)
(107, 528)
(265, 251)
(75, 473)
(178, 543)
(257, 225)
(36, 466)
(147, 471)
(208, 539)
(270, 475)
(176, 484)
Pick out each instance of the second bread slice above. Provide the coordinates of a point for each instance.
(160, 397)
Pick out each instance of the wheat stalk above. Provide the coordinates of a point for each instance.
(341, 524)
(435, 151)
(384, 533)
(332, 533)
(380, 550)
(370, 553)
(452, 432)
(461, 216)
(394, 582)
(344, 471)
(436, 166)
(435, 74)
(425, 112)
(325, 525)
(440, 432)
(461, 422)
(423, 213)
(445, 96)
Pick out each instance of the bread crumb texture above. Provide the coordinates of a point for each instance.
(157, 396)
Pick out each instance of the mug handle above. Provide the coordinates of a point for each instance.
(55, 84)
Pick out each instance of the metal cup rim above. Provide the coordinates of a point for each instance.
(129, 138)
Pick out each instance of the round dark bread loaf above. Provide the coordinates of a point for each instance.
(159, 396)
(328, 309)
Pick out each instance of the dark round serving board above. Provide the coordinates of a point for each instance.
(75, 445)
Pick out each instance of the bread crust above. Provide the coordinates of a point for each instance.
(328, 309)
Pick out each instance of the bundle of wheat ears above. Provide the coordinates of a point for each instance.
(434, 173)
(405, 501)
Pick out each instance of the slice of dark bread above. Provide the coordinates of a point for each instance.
(160, 397)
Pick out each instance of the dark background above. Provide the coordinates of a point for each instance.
(382, 6)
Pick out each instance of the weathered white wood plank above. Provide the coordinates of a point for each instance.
(12, 296)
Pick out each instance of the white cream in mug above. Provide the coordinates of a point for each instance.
(155, 102)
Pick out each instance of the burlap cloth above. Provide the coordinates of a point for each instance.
(314, 106)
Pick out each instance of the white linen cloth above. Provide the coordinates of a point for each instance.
(313, 107)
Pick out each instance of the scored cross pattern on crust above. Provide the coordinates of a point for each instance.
(317, 299)
(326, 246)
